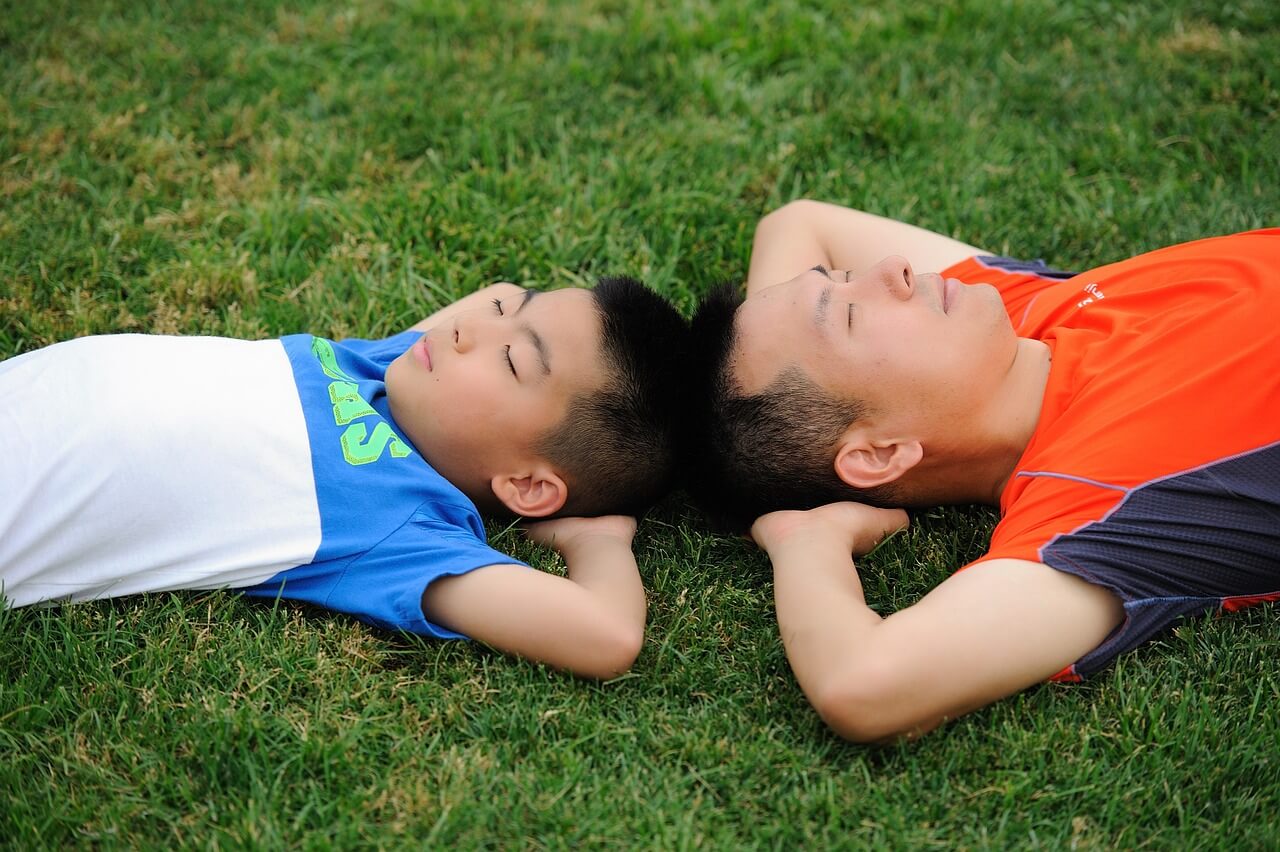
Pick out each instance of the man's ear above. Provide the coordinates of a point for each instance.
(536, 493)
(864, 461)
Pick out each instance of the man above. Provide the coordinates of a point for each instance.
(1126, 421)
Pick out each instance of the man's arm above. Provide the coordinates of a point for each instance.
(984, 633)
(805, 234)
(478, 299)
(590, 623)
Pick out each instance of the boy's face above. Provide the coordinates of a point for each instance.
(478, 393)
(917, 351)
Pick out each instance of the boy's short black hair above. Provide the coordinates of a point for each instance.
(750, 454)
(616, 447)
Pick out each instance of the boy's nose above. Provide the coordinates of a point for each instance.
(469, 330)
(463, 334)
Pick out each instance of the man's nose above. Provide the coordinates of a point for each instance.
(896, 275)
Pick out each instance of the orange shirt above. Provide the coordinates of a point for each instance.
(1162, 364)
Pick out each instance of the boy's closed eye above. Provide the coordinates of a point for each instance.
(506, 350)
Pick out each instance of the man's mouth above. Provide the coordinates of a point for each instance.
(950, 289)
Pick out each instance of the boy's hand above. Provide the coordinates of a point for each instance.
(590, 621)
(854, 527)
(564, 534)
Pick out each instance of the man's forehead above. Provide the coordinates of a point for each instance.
(761, 349)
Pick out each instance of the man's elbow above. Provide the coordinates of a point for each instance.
(865, 704)
(788, 213)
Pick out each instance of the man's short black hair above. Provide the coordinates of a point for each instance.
(750, 454)
(616, 447)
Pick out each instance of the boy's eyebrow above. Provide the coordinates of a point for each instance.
(528, 297)
(539, 345)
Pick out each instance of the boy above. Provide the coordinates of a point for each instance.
(348, 474)
(1126, 421)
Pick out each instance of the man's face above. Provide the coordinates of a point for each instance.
(918, 351)
(477, 394)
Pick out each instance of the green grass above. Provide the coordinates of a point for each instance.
(345, 168)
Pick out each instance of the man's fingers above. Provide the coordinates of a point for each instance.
(898, 520)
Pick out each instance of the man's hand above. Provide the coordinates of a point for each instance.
(988, 631)
(852, 527)
(801, 234)
(566, 534)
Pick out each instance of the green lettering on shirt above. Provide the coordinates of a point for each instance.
(328, 360)
(359, 446)
(357, 450)
(347, 403)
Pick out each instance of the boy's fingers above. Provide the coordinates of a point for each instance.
(564, 529)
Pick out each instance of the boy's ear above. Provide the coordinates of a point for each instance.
(865, 461)
(536, 493)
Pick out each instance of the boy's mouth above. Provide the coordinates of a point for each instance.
(422, 351)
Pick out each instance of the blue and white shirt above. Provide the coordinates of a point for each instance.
(137, 463)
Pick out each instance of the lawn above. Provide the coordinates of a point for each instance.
(254, 169)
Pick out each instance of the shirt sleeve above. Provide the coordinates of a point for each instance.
(384, 587)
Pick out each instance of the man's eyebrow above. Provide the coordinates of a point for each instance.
(824, 303)
(539, 345)
(528, 297)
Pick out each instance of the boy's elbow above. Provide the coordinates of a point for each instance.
(613, 653)
(626, 648)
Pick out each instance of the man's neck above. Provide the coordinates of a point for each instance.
(977, 467)
(1015, 415)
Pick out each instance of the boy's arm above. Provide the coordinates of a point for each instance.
(590, 623)
(984, 633)
(478, 299)
(805, 234)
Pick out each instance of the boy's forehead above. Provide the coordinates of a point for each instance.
(577, 296)
(569, 322)
(564, 298)
(571, 310)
